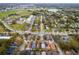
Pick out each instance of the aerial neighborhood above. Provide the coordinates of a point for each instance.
(39, 31)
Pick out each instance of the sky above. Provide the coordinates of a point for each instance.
(39, 1)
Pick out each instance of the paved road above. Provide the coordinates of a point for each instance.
(32, 22)
(23, 32)
(41, 28)
(57, 46)
(22, 47)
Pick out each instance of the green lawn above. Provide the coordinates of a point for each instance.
(18, 26)
(6, 13)
(2, 28)
(21, 13)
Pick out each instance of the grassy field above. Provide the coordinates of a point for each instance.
(20, 13)
(14, 15)
(2, 28)
(6, 13)
(18, 26)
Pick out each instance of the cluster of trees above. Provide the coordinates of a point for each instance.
(70, 44)
(6, 44)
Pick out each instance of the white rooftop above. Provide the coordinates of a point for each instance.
(5, 37)
(30, 18)
(53, 10)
